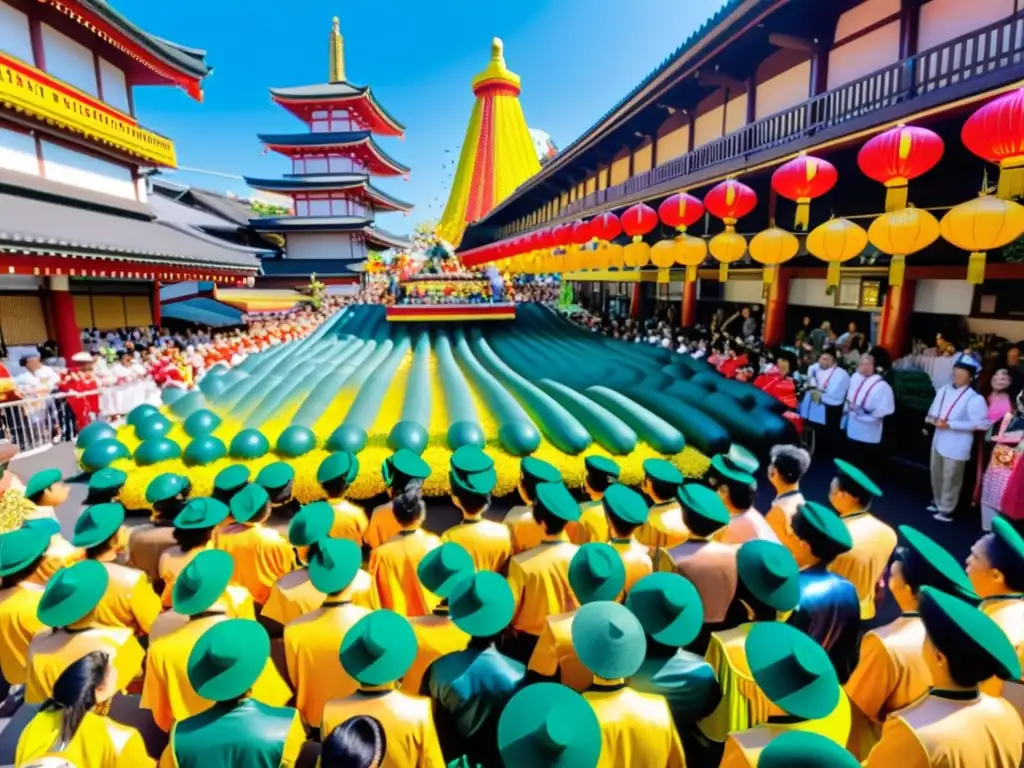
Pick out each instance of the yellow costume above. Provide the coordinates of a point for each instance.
(382, 525)
(555, 655)
(664, 527)
(129, 600)
(488, 543)
(635, 724)
(236, 600)
(539, 579)
(393, 570)
(711, 566)
(526, 532)
(742, 750)
(780, 518)
(51, 652)
(634, 556)
(592, 525)
(436, 636)
(1008, 612)
(172, 561)
(349, 521)
(99, 742)
(60, 554)
(261, 555)
(18, 625)
(294, 595)
(863, 566)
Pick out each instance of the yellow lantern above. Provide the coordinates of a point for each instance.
(901, 233)
(663, 253)
(727, 247)
(980, 225)
(598, 256)
(772, 247)
(836, 241)
(690, 252)
(616, 255)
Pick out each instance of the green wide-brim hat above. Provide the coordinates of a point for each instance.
(473, 470)
(792, 670)
(822, 528)
(669, 608)
(404, 462)
(608, 639)
(334, 565)
(72, 593)
(482, 604)
(97, 524)
(231, 478)
(340, 465)
(539, 470)
(47, 526)
(938, 567)
(770, 572)
(107, 479)
(165, 486)
(379, 649)
(602, 464)
(201, 513)
(858, 478)
(556, 499)
(703, 502)
(42, 480)
(1008, 536)
(442, 568)
(596, 572)
(20, 548)
(202, 582)
(249, 502)
(228, 659)
(626, 504)
(311, 523)
(803, 749)
(662, 471)
(547, 725)
(276, 475)
(731, 472)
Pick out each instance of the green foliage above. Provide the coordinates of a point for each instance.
(267, 210)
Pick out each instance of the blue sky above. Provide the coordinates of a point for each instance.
(576, 59)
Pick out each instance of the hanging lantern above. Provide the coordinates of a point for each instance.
(680, 211)
(581, 235)
(801, 180)
(895, 157)
(980, 225)
(729, 201)
(772, 247)
(615, 255)
(604, 227)
(637, 221)
(690, 252)
(901, 233)
(996, 133)
(836, 241)
(561, 235)
(663, 254)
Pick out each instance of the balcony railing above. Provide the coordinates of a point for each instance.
(998, 46)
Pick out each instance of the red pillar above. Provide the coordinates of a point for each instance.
(65, 328)
(892, 332)
(155, 301)
(636, 302)
(775, 309)
(688, 317)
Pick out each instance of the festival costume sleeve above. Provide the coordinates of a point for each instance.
(145, 604)
(517, 581)
(676, 756)
(273, 559)
(274, 608)
(128, 661)
(544, 659)
(15, 638)
(899, 746)
(293, 742)
(874, 678)
(155, 697)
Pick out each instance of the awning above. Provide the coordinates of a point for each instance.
(202, 312)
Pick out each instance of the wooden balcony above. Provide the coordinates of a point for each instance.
(984, 59)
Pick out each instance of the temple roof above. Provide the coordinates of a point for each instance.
(361, 224)
(332, 182)
(358, 142)
(304, 99)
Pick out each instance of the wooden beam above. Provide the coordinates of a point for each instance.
(910, 18)
(719, 80)
(792, 42)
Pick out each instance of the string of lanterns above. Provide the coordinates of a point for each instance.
(893, 158)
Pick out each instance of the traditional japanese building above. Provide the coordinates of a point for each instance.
(333, 225)
(79, 245)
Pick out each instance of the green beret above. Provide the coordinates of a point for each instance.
(379, 649)
(97, 524)
(823, 529)
(41, 481)
(769, 571)
(443, 567)
(858, 478)
(340, 465)
(703, 502)
(936, 567)
(72, 593)
(669, 608)
(792, 670)
(231, 478)
(663, 471)
(803, 749)
(597, 463)
(249, 502)
(741, 460)
(608, 639)
(596, 572)
(625, 504)
(165, 486)
(556, 499)
(275, 476)
(731, 472)
(201, 513)
(311, 523)
(20, 548)
(1004, 531)
(107, 479)
(228, 659)
(334, 565)
(539, 470)
(404, 462)
(473, 470)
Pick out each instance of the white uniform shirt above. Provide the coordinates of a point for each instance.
(966, 412)
(868, 401)
(832, 383)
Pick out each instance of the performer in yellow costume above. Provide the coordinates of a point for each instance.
(335, 475)
(625, 511)
(738, 491)
(600, 473)
(800, 749)
(526, 531)
(786, 469)
(193, 531)
(664, 527)
(400, 471)
(278, 480)
(167, 493)
(21, 587)
(472, 478)
(230, 481)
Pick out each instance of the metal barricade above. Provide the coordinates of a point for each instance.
(39, 422)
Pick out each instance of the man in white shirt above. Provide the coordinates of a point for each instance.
(868, 401)
(823, 402)
(957, 413)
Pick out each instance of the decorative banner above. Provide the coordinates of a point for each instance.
(27, 89)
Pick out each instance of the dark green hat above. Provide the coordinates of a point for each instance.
(596, 572)
(404, 462)
(97, 524)
(547, 725)
(47, 526)
(1008, 536)
(626, 504)
(442, 568)
(379, 649)
(201, 513)
(42, 480)
(482, 604)
(100, 453)
(107, 479)
(311, 523)
(202, 581)
(472, 470)
(959, 629)
(803, 749)
(608, 639)
(72, 593)
(228, 659)
(20, 548)
(792, 670)
(663, 471)
(275, 475)
(231, 478)
(669, 608)
(539, 470)
(858, 478)
(937, 568)
(731, 472)
(165, 486)
(597, 463)
(769, 571)
(703, 502)
(249, 502)
(741, 460)
(334, 564)
(823, 529)
(340, 465)
(556, 499)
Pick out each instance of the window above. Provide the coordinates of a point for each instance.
(115, 89)
(15, 35)
(82, 170)
(18, 152)
(69, 61)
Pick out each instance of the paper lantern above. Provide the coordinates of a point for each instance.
(616, 256)
(772, 247)
(605, 226)
(996, 133)
(980, 225)
(690, 252)
(561, 235)
(895, 157)
(835, 242)
(663, 254)
(901, 233)
(680, 211)
(637, 221)
(729, 201)
(727, 247)
(801, 180)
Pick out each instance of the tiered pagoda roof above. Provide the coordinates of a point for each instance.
(357, 144)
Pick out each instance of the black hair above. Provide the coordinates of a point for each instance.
(762, 611)
(94, 552)
(553, 525)
(829, 613)
(74, 695)
(1007, 562)
(661, 490)
(791, 462)
(192, 538)
(35, 498)
(528, 484)
(914, 571)
(472, 503)
(14, 579)
(408, 506)
(359, 742)
(619, 525)
(165, 511)
(856, 490)
(224, 496)
(822, 548)
(101, 495)
(282, 494)
(700, 525)
(741, 495)
(600, 481)
(966, 669)
(830, 351)
(335, 488)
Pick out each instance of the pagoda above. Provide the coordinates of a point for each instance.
(498, 152)
(332, 225)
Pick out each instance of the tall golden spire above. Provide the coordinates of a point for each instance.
(337, 54)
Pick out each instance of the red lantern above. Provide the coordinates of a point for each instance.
(996, 133)
(730, 201)
(638, 220)
(561, 235)
(895, 157)
(606, 226)
(581, 232)
(681, 211)
(543, 239)
(801, 180)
